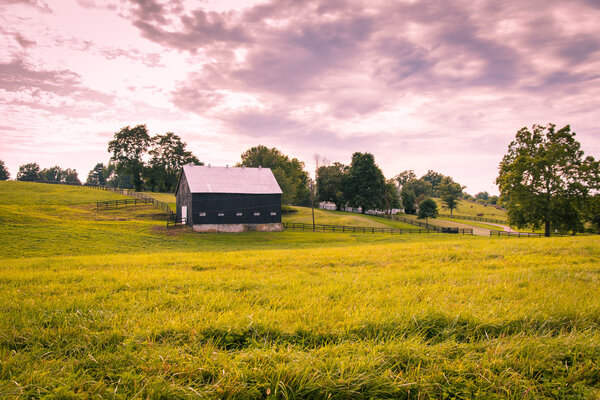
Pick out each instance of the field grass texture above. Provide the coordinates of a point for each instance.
(309, 315)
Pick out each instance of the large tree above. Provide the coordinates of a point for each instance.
(289, 173)
(71, 177)
(53, 175)
(365, 183)
(169, 155)
(405, 176)
(29, 172)
(420, 187)
(4, 174)
(409, 201)
(544, 179)
(593, 211)
(127, 148)
(330, 183)
(428, 209)
(435, 179)
(97, 176)
(450, 192)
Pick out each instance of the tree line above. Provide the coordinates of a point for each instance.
(544, 179)
(32, 172)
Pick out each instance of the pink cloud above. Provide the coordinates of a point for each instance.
(413, 82)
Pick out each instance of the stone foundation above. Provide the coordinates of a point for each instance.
(237, 228)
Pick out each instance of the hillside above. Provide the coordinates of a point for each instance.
(133, 310)
(40, 219)
(472, 209)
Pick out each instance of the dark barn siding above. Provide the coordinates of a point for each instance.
(229, 204)
(184, 198)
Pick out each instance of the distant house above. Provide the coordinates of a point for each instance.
(228, 199)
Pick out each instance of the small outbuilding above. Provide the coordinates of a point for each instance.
(229, 199)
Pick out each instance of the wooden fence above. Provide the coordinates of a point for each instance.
(421, 224)
(145, 199)
(352, 229)
(473, 218)
(120, 203)
(515, 234)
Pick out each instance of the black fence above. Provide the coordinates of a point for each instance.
(473, 218)
(120, 203)
(515, 234)
(435, 228)
(143, 199)
(353, 229)
(421, 224)
(174, 221)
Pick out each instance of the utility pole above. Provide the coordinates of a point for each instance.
(312, 200)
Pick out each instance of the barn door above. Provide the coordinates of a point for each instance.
(184, 214)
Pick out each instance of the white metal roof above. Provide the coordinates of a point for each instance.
(208, 179)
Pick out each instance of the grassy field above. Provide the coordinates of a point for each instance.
(177, 315)
(472, 209)
(304, 215)
(168, 198)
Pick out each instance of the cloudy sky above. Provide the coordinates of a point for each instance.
(442, 84)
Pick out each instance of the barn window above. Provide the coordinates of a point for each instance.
(202, 214)
(221, 214)
(256, 214)
(239, 214)
(273, 213)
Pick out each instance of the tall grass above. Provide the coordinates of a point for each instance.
(293, 316)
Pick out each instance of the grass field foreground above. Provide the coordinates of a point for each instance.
(178, 315)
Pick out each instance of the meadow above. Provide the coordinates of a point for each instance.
(170, 314)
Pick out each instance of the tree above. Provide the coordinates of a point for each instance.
(428, 209)
(127, 148)
(450, 192)
(52, 175)
(408, 201)
(392, 196)
(169, 155)
(483, 196)
(115, 178)
(330, 183)
(420, 187)
(405, 176)
(435, 179)
(365, 183)
(29, 172)
(4, 174)
(290, 174)
(71, 177)
(593, 211)
(97, 176)
(544, 179)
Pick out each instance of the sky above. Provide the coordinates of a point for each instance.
(441, 84)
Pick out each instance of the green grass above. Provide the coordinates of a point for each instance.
(472, 209)
(177, 315)
(66, 222)
(324, 217)
(168, 198)
(472, 223)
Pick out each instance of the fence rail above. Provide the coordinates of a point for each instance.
(120, 203)
(352, 229)
(145, 199)
(515, 234)
(176, 221)
(421, 224)
(471, 218)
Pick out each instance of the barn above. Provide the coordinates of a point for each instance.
(229, 199)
